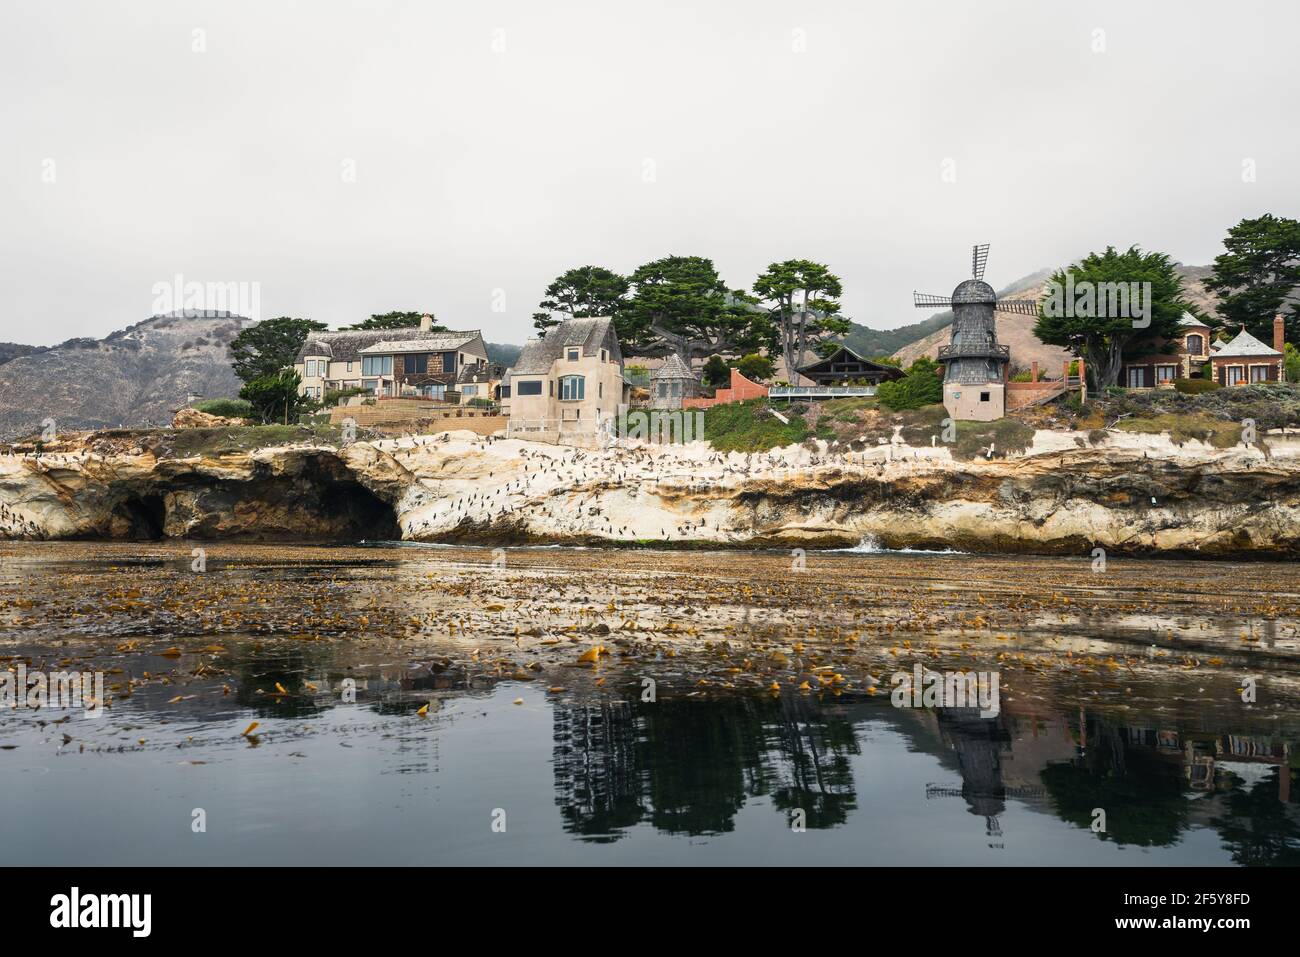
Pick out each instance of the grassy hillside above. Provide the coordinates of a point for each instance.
(885, 342)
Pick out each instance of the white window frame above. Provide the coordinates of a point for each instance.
(568, 388)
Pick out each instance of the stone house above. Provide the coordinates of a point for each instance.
(1245, 359)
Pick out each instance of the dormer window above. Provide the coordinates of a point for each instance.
(573, 355)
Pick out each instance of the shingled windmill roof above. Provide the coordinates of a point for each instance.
(591, 335)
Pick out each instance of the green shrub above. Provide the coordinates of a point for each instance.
(921, 386)
(227, 408)
(1195, 386)
(755, 367)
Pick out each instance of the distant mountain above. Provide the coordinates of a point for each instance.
(883, 342)
(1017, 331)
(503, 352)
(136, 377)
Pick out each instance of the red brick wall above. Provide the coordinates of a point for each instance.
(741, 389)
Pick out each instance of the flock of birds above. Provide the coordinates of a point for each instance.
(632, 493)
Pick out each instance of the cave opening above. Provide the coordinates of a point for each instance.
(361, 513)
(145, 516)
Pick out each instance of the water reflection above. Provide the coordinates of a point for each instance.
(689, 766)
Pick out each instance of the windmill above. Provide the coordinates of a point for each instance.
(975, 364)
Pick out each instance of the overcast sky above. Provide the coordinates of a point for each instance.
(495, 144)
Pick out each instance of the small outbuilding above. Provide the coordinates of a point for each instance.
(672, 382)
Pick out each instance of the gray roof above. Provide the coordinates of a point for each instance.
(673, 368)
(591, 335)
(1187, 319)
(443, 342)
(347, 345)
(1246, 345)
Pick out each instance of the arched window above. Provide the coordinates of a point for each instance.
(1195, 345)
(572, 388)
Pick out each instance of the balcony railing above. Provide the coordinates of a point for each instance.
(819, 391)
(974, 350)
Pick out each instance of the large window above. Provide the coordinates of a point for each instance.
(1236, 374)
(1166, 373)
(469, 390)
(528, 387)
(417, 364)
(1259, 373)
(1195, 345)
(377, 365)
(572, 388)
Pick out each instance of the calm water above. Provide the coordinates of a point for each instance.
(555, 764)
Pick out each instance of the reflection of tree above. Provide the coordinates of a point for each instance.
(813, 770)
(1142, 795)
(702, 759)
(1257, 828)
(688, 765)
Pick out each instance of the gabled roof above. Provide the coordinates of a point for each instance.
(1246, 345)
(591, 335)
(843, 354)
(432, 342)
(348, 344)
(673, 368)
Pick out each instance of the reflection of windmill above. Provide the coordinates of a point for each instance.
(975, 365)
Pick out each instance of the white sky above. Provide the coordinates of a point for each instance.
(479, 171)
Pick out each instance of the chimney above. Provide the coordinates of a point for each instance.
(1279, 333)
(426, 323)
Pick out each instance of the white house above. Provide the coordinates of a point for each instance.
(568, 381)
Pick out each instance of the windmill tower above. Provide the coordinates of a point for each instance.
(975, 365)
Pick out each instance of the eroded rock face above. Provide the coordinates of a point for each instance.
(269, 495)
(1134, 494)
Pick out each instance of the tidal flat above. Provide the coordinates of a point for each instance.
(413, 704)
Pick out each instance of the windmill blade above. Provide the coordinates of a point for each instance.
(923, 300)
(979, 256)
(1025, 307)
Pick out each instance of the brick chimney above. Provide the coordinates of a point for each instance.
(1279, 333)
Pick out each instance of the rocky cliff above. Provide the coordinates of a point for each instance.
(1066, 493)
